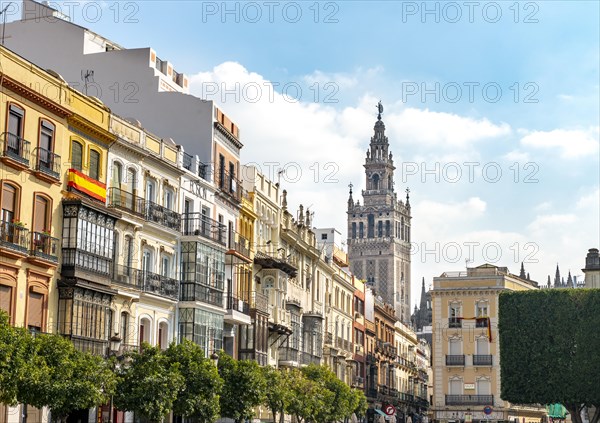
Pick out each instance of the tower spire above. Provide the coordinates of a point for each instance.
(350, 199)
(557, 277)
(522, 273)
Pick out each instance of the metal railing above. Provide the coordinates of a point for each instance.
(15, 148)
(258, 301)
(482, 360)
(187, 161)
(47, 162)
(14, 237)
(44, 246)
(469, 400)
(455, 360)
(203, 171)
(201, 225)
(454, 322)
(229, 185)
(234, 303)
(239, 244)
(73, 258)
(191, 291)
(481, 322)
(126, 276)
(159, 284)
(163, 216)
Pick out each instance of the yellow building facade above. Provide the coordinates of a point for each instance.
(466, 362)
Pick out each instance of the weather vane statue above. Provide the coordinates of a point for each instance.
(380, 109)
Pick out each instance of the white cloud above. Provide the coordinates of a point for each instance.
(571, 144)
(517, 156)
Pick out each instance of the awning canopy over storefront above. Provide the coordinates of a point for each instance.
(556, 411)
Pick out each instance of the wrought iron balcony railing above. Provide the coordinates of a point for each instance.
(75, 259)
(469, 400)
(47, 162)
(454, 322)
(126, 201)
(44, 246)
(201, 225)
(14, 237)
(238, 244)
(15, 148)
(455, 360)
(187, 161)
(163, 216)
(482, 322)
(229, 185)
(191, 291)
(159, 284)
(482, 360)
(126, 276)
(258, 301)
(234, 303)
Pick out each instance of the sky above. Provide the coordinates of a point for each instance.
(491, 110)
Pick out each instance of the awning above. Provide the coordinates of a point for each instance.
(377, 410)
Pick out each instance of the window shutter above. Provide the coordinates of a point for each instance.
(9, 194)
(76, 155)
(5, 298)
(35, 309)
(41, 213)
(94, 165)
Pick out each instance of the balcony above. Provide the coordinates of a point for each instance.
(196, 224)
(47, 165)
(469, 400)
(482, 360)
(14, 238)
(372, 392)
(239, 248)
(191, 291)
(80, 263)
(14, 151)
(187, 161)
(44, 248)
(159, 285)
(229, 185)
(269, 262)
(126, 201)
(258, 301)
(203, 171)
(238, 311)
(307, 358)
(455, 322)
(234, 303)
(127, 277)
(163, 216)
(455, 360)
(482, 322)
(328, 338)
(371, 359)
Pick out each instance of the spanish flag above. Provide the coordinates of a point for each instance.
(87, 185)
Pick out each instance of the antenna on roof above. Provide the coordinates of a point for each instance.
(87, 76)
(4, 20)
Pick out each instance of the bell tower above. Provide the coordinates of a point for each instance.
(379, 229)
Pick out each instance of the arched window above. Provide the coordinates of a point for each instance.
(132, 180)
(117, 172)
(76, 155)
(94, 165)
(375, 181)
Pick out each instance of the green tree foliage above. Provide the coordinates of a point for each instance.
(244, 387)
(549, 346)
(360, 401)
(14, 345)
(308, 399)
(276, 392)
(198, 397)
(149, 384)
(62, 378)
(344, 401)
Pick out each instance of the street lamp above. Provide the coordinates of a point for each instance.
(215, 358)
(115, 345)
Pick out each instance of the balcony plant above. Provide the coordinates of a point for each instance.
(18, 223)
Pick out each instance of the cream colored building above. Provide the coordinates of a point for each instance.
(466, 366)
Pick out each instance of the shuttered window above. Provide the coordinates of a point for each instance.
(9, 196)
(5, 298)
(94, 165)
(76, 155)
(40, 218)
(15, 120)
(35, 310)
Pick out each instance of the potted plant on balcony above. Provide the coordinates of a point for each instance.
(18, 224)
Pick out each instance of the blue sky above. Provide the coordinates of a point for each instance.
(361, 51)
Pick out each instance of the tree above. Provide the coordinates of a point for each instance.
(549, 346)
(14, 345)
(149, 384)
(343, 403)
(244, 387)
(308, 400)
(276, 392)
(199, 395)
(360, 403)
(62, 378)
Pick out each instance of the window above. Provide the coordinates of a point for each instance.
(387, 228)
(483, 387)
(15, 120)
(128, 251)
(482, 309)
(9, 203)
(41, 215)
(35, 310)
(45, 158)
(132, 180)
(456, 387)
(6, 298)
(232, 186)
(370, 226)
(380, 229)
(94, 165)
(169, 197)
(165, 266)
(353, 230)
(147, 261)
(117, 171)
(76, 155)
(221, 171)
(482, 346)
(361, 230)
(144, 331)
(454, 346)
(323, 236)
(150, 190)
(125, 327)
